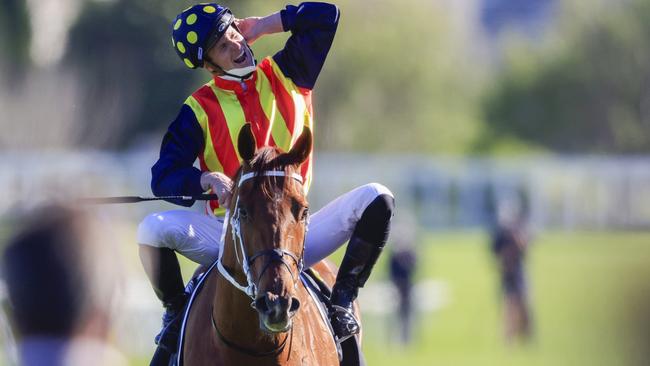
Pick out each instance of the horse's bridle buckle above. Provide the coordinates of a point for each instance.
(279, 252)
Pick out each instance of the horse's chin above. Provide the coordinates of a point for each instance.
(274, 328)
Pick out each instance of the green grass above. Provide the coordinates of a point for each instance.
(589, 292)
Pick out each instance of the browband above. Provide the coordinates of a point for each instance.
(269, 173)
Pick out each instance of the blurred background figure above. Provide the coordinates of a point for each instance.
(401, 272)
(61, 278)
(402, 268)
(509, 244)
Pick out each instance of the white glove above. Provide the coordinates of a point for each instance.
(220, 184)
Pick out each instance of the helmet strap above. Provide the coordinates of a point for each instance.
(241, 79)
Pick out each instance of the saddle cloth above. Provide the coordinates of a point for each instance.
(349, 351)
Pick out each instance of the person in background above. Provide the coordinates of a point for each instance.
(402, 267)
(61, 278)
(509, 245)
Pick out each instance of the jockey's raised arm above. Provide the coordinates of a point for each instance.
(312, 27)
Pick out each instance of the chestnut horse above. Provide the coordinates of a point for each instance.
(255, 310)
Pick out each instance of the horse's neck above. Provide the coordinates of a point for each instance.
(234, 315)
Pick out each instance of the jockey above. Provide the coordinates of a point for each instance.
(273, 95)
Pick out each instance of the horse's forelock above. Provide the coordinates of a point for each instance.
(267, 159)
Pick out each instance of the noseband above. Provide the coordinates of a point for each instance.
(275, 255)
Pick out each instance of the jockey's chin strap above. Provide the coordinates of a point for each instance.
(251, 289)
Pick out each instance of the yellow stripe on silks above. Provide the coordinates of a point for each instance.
(309, 175)
(209, 157)
(302, 116)
(279, 129)
(301, 113)
(233, 113)
(287, 82)
(309, 121)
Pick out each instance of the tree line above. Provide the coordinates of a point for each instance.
(402, 78)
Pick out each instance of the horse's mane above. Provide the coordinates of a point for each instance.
(265, 159)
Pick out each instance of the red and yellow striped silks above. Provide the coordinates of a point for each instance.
(276, 107)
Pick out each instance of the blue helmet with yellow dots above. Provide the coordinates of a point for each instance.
(197, 29)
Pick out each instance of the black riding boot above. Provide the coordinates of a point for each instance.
(355, 269)
(362, 252)
(163, 270)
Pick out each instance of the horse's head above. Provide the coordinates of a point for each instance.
(270, 208)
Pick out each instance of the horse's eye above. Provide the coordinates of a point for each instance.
(243, 214)
(305, 214)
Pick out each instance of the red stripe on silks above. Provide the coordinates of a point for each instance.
(204, 168)
(285, 102)
(253, 113)
(214, 205)
(218, 130)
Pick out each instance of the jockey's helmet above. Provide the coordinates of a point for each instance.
(197, 29)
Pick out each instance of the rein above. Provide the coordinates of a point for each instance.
(238, 242)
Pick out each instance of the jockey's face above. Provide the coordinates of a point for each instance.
(230, 52)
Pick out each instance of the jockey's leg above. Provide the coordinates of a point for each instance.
(164, 273)
(362, 216)
(194, 235)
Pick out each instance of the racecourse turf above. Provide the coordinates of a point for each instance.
(590, 295)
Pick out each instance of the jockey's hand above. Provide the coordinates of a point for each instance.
(220, 184)
(252, 28)
(249, 28)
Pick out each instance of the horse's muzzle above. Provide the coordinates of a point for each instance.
(275, 312)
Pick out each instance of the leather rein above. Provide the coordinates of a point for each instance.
(246, 350)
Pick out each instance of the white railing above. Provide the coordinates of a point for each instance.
(561, 192)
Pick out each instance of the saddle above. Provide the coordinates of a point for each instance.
(349, 350)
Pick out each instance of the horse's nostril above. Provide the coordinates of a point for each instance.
(261, 304)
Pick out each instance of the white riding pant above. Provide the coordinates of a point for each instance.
(197, 236)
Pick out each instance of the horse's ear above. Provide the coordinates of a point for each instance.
(301, 149)
(246, 142)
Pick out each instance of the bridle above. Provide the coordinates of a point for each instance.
(251, 289)
(276, 254)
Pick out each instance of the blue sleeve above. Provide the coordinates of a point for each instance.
(174, 174)
(312, 26)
